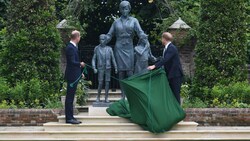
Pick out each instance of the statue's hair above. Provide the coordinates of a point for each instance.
(103, 35)
(125, 3)
(145, 38)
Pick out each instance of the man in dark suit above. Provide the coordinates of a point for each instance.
(172, 65)
(72, 73)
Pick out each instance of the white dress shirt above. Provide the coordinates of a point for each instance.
(73, 43)
(166, 47)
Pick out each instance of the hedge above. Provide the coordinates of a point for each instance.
(221, 51)
(32, 43)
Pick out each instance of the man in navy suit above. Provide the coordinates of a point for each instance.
(72, 73)
(172, 65)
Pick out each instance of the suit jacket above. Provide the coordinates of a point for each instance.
(104, 56)
(171, 62)
(73, 68)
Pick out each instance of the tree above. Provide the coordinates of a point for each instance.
(3, 17)
(248, 29)
(189, 11)
(3, 4)
(32, 43)
(221, 49)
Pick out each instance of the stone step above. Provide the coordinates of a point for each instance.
(56, 126)
(90, 101)
(94, 91)
(84, 109)
(125, 135)
(110, 99)
(96, 119)
(115, 94)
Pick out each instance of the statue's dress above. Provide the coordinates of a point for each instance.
(151, 103)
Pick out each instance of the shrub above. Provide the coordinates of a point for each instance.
(54, 101)
(30, 94)
(32, 43)
(81, 92)
(194, 103)
(233, 95)
(221, 48)
(4, 89)
(4, 105)
(27, 94)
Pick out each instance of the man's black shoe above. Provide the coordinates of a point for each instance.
(73, 121)
(76, 119)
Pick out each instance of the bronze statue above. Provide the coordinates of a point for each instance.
(103, 54)
(124, 29)
(142, 55)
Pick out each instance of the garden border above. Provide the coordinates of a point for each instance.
(203, 116)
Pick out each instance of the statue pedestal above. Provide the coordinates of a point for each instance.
(99, 109)
(101, 104)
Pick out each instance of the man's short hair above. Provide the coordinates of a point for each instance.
(74, 34)
(167, 36)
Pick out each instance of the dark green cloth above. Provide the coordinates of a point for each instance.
(150, 104)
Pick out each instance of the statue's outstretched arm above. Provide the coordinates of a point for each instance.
(151, 56)
(110, 34)
(138, 29)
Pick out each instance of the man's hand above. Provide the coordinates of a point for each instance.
(82, 64)
(95, 71)
(151, 67)
(116, 71)
(83, 76)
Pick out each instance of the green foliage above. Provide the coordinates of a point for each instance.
(53, 101)
(185, 89)
(3, 16)
(188, 101)
(71, 11)
(4, 89)
(194, 103)
(31, 44)
(81, 92)
(248, 29)
(221, 49)
(4, 105)
(232, 95)
(189, 11)
(61, 5)
(32, 93)
(28, 94)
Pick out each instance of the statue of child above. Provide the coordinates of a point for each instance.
(143, 54)
(103, 54)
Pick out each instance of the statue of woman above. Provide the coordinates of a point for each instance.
(124, 29)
